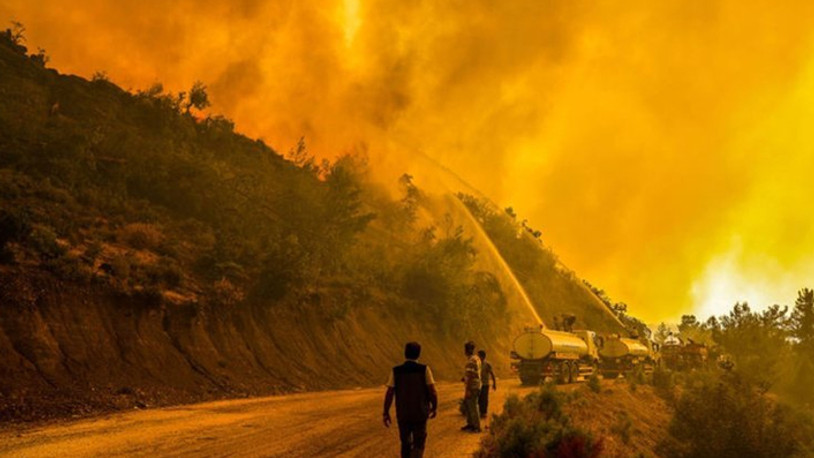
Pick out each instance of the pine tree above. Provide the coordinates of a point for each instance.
(802, 321)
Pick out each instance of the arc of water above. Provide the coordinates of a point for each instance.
(504, 266)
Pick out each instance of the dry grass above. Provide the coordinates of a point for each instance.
(142, 236)
(616, 412)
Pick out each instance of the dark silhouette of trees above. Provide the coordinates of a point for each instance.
(197, 97)
(802, 319)
(411, 199)
(727, 417)
(16, 33)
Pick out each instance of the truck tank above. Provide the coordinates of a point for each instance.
(540, 344)
(621, 355)
(564, 356)
(621, 347)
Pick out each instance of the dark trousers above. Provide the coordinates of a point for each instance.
(413, 435)
(483, 400)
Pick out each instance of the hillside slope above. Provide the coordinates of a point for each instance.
(152, 256)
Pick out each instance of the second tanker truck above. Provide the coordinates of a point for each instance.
(621, 355)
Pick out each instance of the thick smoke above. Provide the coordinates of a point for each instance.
(661, 146)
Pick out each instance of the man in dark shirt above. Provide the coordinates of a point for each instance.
(416, 401)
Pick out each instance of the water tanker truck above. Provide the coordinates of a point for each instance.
(563, 356)
(622, 355)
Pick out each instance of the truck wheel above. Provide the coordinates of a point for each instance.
(610, 375)
(562, 372)
(573, 372)
(528, 379)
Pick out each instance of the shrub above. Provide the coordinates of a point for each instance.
(226, 293)
(69, 268)
(623, 427)
(100, 76)
(120, 267)
(726, 416)
(594, 384)
(142, 236)
(637, 376)
(14, 227)
(537, 426)
(92, 251)
(663, 381)
(44, 240)
(166, 272)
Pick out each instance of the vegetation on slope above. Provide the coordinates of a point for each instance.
(552, 288)
(752, 399)
(142, 193)
(772, 349)
(618, 419)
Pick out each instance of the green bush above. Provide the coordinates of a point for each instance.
(724, 415)
(43, 239)
(623, 427)
(70, 268)
(663, 380)
(142, 236)
(92, 251)
(593, 383)
(120, 266)
(537, 426)
(637, 376)
(15, 226)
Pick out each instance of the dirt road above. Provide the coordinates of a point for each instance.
(337, 423)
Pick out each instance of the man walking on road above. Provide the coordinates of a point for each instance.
(416, 401)
(485, 372)
(472, 384)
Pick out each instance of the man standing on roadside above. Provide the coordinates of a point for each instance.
(416, 401)
(472, 386)
(485, 372)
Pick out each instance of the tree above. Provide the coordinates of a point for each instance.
(40, 57)
(16, 33)
(802, 319)
(757, 342)
(198, 98)
(411, 197)
(302, 158)
(662, 332)
(726, 416)
(689, 323)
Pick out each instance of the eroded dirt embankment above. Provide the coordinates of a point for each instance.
(69, 350)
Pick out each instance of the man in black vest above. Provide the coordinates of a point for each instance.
(416, 401)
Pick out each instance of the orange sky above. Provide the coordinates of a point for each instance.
(664, 149)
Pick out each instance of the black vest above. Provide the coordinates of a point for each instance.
(412, 393)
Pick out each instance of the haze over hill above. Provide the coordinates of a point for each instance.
(631, 135)
(150, 256)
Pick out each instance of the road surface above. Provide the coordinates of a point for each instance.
(336, 423)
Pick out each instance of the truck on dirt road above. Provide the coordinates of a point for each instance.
(623, 355)
(563, 356)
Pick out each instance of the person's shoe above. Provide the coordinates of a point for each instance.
(484, 416)
(467, 428)
(475, 430)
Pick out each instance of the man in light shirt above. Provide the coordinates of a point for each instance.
(416, 401)
(472, 385)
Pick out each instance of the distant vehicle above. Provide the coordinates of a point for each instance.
(567, 356)
(622, 355)
(681, 356)
(563, 356)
